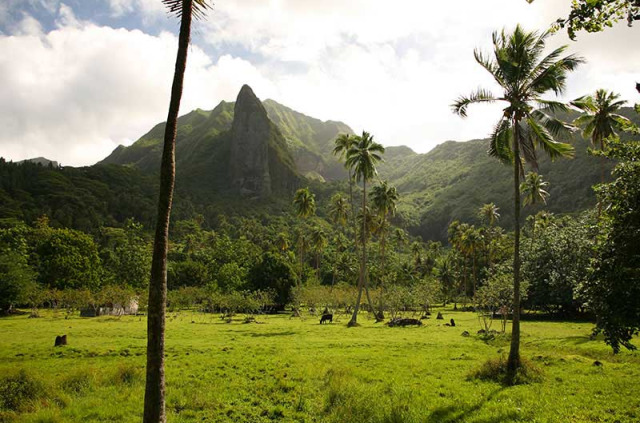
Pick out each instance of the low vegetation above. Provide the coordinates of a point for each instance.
(296, 370)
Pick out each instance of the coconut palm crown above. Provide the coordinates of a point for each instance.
(600, 120)
(524, 75)
(533, 189)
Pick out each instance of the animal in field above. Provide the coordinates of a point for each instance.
(61, 340)
(402, 322)
(326, 318)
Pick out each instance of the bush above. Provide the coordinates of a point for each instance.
(127, 374)
(78, 382)
(20, 391)
(495, 370)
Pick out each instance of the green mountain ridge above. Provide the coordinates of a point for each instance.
(447, 183)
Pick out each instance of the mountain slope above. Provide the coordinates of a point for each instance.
(308, 141)
(249, 149)
(213, 148)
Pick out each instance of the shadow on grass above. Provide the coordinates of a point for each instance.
(560, 318)
(456, 413)
(269, 334)
(579, 340)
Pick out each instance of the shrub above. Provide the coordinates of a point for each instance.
(127, 374)
(495, 370)
(20, 391)
(78, 382)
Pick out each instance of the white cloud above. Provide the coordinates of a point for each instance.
(391, 68)
(75, 93)
(394, 69)
(151, 10)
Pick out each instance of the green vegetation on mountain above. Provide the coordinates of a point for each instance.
(448, 183)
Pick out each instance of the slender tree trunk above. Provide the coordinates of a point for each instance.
(602, 164)
(154, 396)
(380, 314)
(533, 232)
(363, 265)
(353, 207)
(301, 263)
(475, 274)
(514, 352)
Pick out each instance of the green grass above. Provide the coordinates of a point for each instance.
(294, 370)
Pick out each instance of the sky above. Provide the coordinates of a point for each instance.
(80, 77)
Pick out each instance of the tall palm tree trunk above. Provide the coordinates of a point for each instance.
(514, 353)
(301, 265)
(380, 314)
(154, 396)
(363, 264)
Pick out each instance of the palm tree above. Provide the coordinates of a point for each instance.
(600, 119)
(305, 204)
(524, 75)
(472, 240)
(318, 243)
(399, 237)
(282, 242)
(533, 189)
(339, 209)
(342, 144)
(384, 198)
(340, 244)
(362, 158)
(154, 395)
(489, 213)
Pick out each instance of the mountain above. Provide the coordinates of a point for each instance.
(452, 181)
(263, 151)
(41, 161)
(259, 159)
(298, 144)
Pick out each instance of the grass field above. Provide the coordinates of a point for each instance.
(294, 370)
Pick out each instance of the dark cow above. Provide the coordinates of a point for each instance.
(60, 341)
(404, 322)
(326, 318)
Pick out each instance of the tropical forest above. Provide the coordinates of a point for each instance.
(186, 234)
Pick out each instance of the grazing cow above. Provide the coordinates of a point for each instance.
(326, 318)
(404, 322)
(60, 341)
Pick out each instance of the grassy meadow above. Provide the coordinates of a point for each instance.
(296, 370)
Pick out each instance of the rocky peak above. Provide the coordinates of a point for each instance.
(250, 133)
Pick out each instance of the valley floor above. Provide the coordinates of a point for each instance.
(294, 370)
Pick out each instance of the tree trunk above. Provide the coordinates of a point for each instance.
(514, 353)
(363, 265)
(353, 208)
(380, 313)
(154, 396)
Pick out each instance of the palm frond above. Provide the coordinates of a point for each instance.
(584, 103)
(528, 147)
(198, 7)
(479, 96)
(541, 136)
(550, 106)
(490, 66)
(582, 120)
(500, 142)
(554, 77)
(554, 125)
